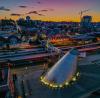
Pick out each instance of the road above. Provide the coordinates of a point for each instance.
(35, 54)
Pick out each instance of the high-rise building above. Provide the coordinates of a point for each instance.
(86, 24)
(86, 19)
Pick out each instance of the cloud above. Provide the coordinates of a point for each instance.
(46, 10)
(41, 15)
(51, 9)
(2, 8)
(32, 12)
(35, 12)
(39, 2)
(14, 14)
(43, 10)
(22, 6)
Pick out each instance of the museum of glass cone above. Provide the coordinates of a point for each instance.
(63, 71)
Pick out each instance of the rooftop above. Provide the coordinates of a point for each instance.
(88, 82)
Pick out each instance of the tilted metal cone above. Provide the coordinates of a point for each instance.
(63, 71)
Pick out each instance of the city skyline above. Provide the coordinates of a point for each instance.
(49, 10)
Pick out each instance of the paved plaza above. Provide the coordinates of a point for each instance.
(88, 82)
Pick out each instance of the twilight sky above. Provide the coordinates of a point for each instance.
(54, 10)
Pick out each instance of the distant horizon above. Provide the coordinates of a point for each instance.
(43, 20)
(50, 10)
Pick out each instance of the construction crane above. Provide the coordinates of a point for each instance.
(82, 12)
